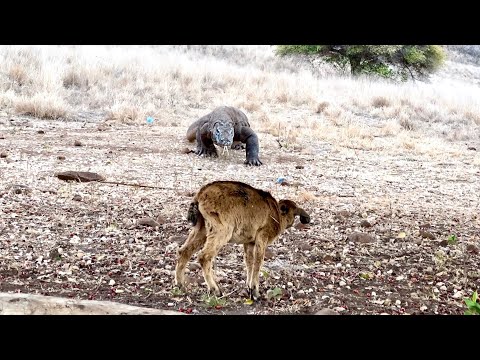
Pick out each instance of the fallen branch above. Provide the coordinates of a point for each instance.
(85, 176)
(138, 185)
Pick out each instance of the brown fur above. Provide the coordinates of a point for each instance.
(231, 211)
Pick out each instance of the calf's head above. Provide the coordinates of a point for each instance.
(288, 211)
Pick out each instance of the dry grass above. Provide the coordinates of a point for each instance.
(380, 101)
(406, 123)
(281, 96)
(321, 106)
(43, 106)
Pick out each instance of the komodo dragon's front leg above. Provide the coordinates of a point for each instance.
(248, 136)
(204, 142)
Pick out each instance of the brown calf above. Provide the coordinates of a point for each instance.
(231, 211)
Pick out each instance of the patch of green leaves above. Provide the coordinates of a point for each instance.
(472, 304)
(214, 301)
(176, 291)
(275, 293)
(452, 239)
(367, 275)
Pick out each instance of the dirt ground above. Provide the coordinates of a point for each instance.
(82, 240)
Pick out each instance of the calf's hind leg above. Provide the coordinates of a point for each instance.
(248, 257)
(194, 242)
(216, 239)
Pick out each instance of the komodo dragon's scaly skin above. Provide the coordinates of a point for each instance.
(224, 126)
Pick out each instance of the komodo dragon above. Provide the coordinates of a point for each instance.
(225, 126)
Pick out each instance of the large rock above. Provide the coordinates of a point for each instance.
(327, 311)
(29, 304)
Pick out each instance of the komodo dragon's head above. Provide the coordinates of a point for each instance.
(222, 133)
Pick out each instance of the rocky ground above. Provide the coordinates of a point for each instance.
(390, 233)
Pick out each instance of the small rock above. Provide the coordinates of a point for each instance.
(111, 282)
(40, 132)
(160, 219)
(427, 234)
(3, 155)
(472, 249)
(423, 308)
(77, 197)
(429, 270)
(146, 221)
(177, 238)
(299, 167)
(305, 247)
(269, 254)
(398, 302)
(443, 243)
(443, 288)
(365, 223)
(194, 266)
(328, 258)
(326, 311)
(458, 294)
(77, 143)
(61, 157)
(21, 189)
(342, 283)
(344, 213)
(360, 237)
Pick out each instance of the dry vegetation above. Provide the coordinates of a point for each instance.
(395, 155)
